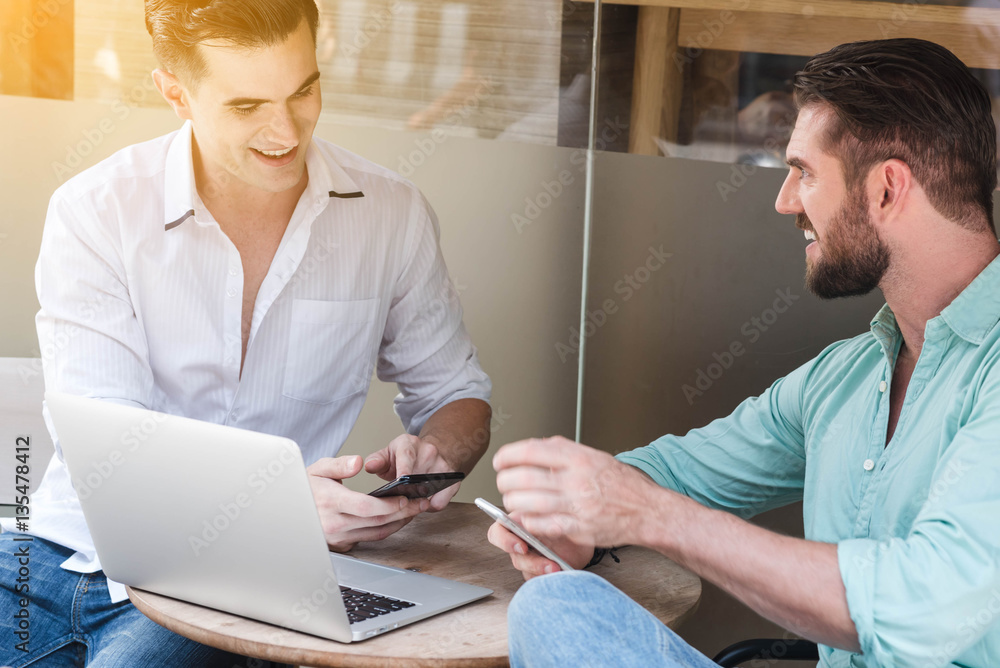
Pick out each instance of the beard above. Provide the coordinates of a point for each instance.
(854, 258)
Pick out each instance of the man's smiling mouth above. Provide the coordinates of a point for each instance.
(275, 154)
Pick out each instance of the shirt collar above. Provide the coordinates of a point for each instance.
(327, 180)
(885, 330)
(178, 189)
(884, 320)
(976, 310)
(971, 315)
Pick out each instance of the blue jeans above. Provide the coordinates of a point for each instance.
(71, 620)
(575, 618)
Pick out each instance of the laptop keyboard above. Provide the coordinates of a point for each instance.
(362, 605)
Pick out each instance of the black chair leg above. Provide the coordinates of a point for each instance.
(767, 648)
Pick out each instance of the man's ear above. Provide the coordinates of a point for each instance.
(174, 92)
(890, 183)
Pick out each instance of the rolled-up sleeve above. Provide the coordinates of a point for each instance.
(746, 463)
(923, 599)
(426, 349)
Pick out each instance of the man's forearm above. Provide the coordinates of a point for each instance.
(461, 432)
(791, 581)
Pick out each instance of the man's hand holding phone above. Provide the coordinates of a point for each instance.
(530, 561)
(575, 497)
(349, 517)
(408, 454)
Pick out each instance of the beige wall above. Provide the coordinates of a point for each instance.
(520, 290)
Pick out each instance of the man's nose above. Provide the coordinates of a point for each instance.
(282, 128)
(788, 197)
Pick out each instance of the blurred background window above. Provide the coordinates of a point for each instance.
(36, 53)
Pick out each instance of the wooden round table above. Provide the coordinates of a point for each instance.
(450, 544)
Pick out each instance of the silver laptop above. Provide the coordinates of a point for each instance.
(225, 518)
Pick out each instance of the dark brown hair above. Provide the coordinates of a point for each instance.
(914, 101)
(178, 26)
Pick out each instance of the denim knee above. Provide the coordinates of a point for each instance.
(579, 619)
(532, 603)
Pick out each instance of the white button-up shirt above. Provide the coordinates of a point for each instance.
(141, 300)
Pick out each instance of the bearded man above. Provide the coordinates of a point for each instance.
(891, 439)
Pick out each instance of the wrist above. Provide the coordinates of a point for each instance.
(449, 451)
(659, 528)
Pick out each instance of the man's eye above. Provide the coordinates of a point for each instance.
(245, 111)
(305, 93)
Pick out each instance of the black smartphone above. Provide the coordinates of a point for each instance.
(419, 485)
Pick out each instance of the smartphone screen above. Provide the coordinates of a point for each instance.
(418, 486)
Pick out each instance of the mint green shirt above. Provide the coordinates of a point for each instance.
(917, 522)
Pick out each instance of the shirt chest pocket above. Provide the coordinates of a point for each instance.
(330, 349)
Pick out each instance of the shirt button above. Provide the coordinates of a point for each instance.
(231, 292)
(869, 465)
(235, 414)
(882, 386)
(233, 271)
(230, 360)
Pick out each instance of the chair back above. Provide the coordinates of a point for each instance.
(22, 429)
